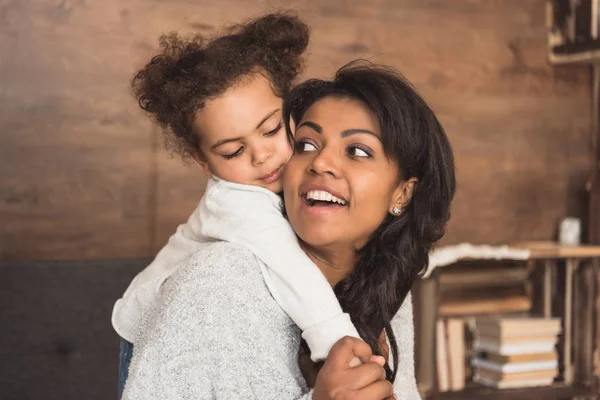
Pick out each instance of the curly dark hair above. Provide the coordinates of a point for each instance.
(176, 83)
(398, 251)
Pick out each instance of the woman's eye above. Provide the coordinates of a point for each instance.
(304, 147)
(233, 155)
(274, 131)
(356, 151)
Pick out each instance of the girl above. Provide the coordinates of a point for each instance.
(220, 102)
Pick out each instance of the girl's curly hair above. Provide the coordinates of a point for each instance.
(176, 83)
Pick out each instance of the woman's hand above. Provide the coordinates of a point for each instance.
(338, 381)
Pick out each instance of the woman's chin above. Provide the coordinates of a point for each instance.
(316, 237)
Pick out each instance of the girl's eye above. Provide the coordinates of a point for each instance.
(233, 155)
(274, 131)
(304, 147)
(357, 151)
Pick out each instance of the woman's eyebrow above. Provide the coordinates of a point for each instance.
(345, 133)
(313, 125)
(350, 132)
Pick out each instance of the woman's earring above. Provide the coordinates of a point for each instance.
(396, 211)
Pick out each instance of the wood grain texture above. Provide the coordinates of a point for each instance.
(585, 293)
(82, 175)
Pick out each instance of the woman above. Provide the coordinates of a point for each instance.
(367, 138)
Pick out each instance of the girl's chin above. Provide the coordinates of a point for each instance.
(275, 187)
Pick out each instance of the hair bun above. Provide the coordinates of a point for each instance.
(280, 32)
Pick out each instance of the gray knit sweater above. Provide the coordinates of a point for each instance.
(217, 333)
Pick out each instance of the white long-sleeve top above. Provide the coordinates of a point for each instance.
(251, 217)
(217, 333)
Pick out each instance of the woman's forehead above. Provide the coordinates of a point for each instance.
(341, 113)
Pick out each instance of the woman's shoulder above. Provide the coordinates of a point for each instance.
(221, 280)
(218, 270)
(404, 316)
(405, 385)
(220, 251)
(221, 260)
(219, 267)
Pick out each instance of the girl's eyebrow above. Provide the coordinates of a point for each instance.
(269, 115)
(224, 141)
(235, 139)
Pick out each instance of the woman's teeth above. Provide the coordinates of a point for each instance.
(320, 195)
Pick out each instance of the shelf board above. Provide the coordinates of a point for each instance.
(557, 391)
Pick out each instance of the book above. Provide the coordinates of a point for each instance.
(515, 367)
(499, 326)
(514, 348)
(517, 376)
(483, 275)
(519, 358)
(443, 376)
(535, 333)
(456, 353)
(515, 339)
(502, 304)
(482, 293)
(514, 384)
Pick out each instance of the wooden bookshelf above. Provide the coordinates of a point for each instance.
(565, 286)
(558, 391)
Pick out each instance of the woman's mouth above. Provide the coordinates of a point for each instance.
(272, 177)
(321, 201)
(323, 198)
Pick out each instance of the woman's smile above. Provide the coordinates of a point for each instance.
(321, 200)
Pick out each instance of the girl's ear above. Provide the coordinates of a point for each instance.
(201, 160)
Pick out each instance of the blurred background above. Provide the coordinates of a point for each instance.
(88, 194)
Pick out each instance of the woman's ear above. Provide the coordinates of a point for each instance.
(201, 160)
(402, 196)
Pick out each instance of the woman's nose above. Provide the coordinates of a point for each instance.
(326, 162)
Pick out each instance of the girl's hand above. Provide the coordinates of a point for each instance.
(338, 381)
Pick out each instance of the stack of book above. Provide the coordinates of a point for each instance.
(475, 288)
(515, 352)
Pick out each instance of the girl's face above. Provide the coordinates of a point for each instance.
(339, 185)
(242, 137)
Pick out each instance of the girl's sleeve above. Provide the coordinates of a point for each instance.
(253, 219)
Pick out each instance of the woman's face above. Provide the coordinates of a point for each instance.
(242, 138)
(339, 185)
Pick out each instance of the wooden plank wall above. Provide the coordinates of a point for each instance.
(83, 174)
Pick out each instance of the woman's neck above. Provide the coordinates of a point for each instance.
(333, 263)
